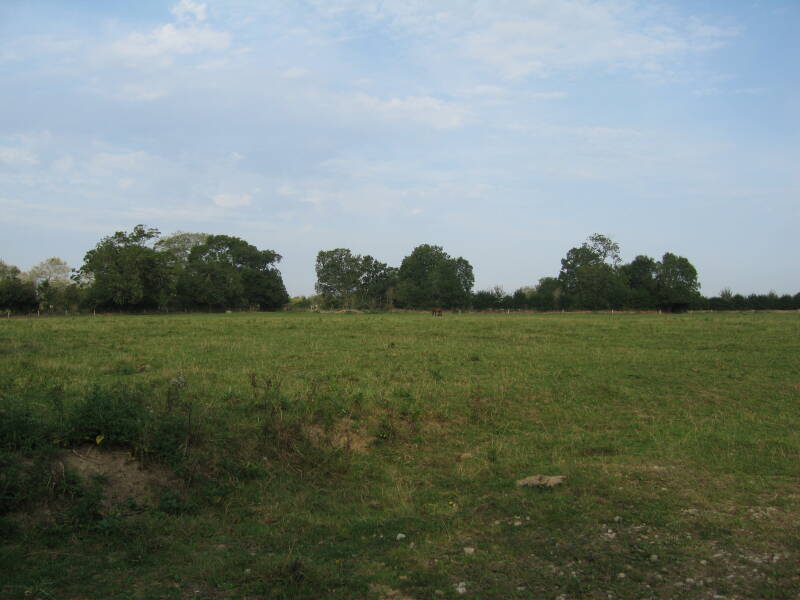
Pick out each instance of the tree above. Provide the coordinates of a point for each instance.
(179, 245)
(338, 276)
(227, 272)
(54, 288)
(590, 275)
(676, 283)
(16, 293)
(429, 277)
(54, 270)
(549, 294)
(640, 275)
(376, 283)
(127, 272)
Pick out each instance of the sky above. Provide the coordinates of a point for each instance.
(505, 131)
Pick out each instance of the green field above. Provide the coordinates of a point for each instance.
(375, 456)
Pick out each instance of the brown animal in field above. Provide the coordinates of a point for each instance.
(437, 312)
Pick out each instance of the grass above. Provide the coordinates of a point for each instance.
(358, 455)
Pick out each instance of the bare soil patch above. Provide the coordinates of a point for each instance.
(125, 478)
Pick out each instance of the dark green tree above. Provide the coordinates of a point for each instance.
(226, 272)
(590, 275)
(127, 272)
(17, 294)
(429, 277)
(549, 294)
(676, 283)
(376, 283)
(640, 275)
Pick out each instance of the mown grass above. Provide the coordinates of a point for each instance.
(305, 444)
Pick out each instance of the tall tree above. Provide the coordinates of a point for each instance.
(429, 277)
(127, 272)
(350, 280)
(676, 283)
(54, 288)
(589, 274)
(376, 283)
(227, 272)
(338, 274)
(17, 293)
(640, 274)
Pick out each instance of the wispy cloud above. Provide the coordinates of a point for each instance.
(439, 114)
(232, 200)
(171, 39)
(17, 157)
(187, 10)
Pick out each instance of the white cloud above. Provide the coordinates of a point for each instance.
(436, 113)
(169, 39)
(232, 200)
(520, 39)
(488, 91)
(186, 9)
(17, 157)
(295, 73)
(141, 93)
(547, 95)
(110, 162)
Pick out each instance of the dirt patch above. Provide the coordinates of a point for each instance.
(384, 592)
(345, 435)
(124, 478)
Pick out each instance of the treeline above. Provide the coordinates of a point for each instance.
(592, 277)
(143, 271)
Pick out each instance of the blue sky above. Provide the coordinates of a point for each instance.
(505, 131)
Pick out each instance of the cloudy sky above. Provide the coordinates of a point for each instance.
(505, 131)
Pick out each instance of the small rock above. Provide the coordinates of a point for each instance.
(654, 557)
(469, 551)
(461, 587)
(401, 536)
(517, 523)
(617, 519)
(621, 576)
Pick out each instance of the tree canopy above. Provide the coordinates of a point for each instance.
(138, 271)
(349, 280)
(429, 277)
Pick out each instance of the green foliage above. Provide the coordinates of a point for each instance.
(17, 294)
(117, 414)
(676, 283)
(227, 272)
(430, 278)
(350, 280)
(592, 278)
(127, 273)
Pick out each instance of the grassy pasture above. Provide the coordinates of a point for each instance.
(375, 456)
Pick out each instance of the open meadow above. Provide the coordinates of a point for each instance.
(302, 455)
